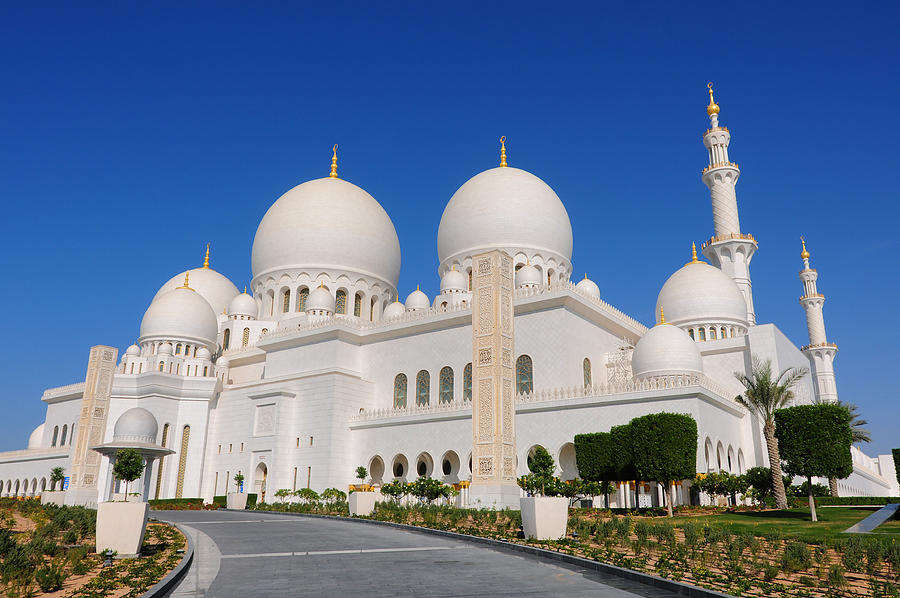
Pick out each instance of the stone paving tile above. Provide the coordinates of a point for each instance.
(464, 570)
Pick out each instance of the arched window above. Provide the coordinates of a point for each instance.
(159, 469)
(194, 351)
(286, 301)
(71, 433)
(423, 387)
(586, 368)
(445, 385)
(340, 302)
(702, 332)
(245, 338)
(178, 349)
(470, 279)
(372, 309)
(161, 366)
(691, 333)
(301, 299)
(182, 461)
(400, 391)
(264, 332)
(722, 332)
(55, 435)
(357, 305)
(712, 334)
(62, 439)
(205, 371)
(524, 375)
(467, 382)
(226, 338)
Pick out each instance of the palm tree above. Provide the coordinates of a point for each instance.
(858, 433)
(763, 395)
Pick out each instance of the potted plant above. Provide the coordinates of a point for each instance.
(544, 511)
(362, 498)
(237, 500)
(121, 525)
(54, 496)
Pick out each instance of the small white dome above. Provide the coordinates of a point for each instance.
(181, 314)
(36, 438)
(204, 353)
(136, 425)
(505, 208)
(222, 362)
(133, 351)
(588, 287)
(699, 293)
(454, 281)
(528, 276)
(327, 224)
(417, 301)
(320, 299)
(665, 350)
(243, 305)
(166, 349)
(209, 284)
(394, 310)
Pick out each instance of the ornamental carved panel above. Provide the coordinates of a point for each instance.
(484, 356)
(485, 466)
(485, 311)
(484, 266)
(485, 409)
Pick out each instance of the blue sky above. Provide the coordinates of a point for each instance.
(130, 140)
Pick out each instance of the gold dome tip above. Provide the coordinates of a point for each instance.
(206, 258)
(503, 163)
(713, 108)
(694, 259)
(186, 280)
(662, 316)
(334, 162)
(245, 289)
(804, 254)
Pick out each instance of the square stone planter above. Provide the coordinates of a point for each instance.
(544, 517)
(236, 500)
(121, 526)
(361, 503)
(53, 497)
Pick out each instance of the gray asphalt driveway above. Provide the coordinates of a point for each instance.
(259, 554)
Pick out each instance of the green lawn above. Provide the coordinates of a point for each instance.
(794, 522)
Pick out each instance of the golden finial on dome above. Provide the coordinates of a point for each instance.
(503, 163)
(334, 162)
(206, 258)
(805, 254)
(585, 275)
(662, 316)
(694, 259)
(713, 108)
(186, 277)
(245, 289)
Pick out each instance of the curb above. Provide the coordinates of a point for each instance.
(165, 586)
(541, 553)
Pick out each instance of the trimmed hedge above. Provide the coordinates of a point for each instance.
(664, 446)
(222, 501)
(814, 440)
(162, 503)
(857, 500)
(594, 457)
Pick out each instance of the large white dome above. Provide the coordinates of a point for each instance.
(136, 425)
(181, 314)
(665, 350)
(327, 224)
(505, 208)
(212, 286)
(699, 294)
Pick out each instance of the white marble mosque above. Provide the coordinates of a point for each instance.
(316, 368)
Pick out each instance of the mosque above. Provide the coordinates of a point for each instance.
(318, 369)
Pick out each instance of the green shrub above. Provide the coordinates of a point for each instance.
(50, 578)
(770, 571)
(691, 533)
(796, 557)
(852, 553)
(836, 578)
(858, 500)
(220, 501)
(334, 495)
(642, 531)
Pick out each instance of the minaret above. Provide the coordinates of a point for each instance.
(729, 250)
(819, 351)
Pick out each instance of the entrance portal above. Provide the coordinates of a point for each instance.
(259, 483)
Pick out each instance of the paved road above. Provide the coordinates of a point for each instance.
(260, 554)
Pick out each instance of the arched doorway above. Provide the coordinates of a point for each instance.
(259, 482)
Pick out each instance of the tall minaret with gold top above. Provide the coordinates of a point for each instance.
(729, 250)
(819, 351)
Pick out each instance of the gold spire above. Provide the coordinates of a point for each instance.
(713, 108)
(206, 258)
(186, 277)
(805, 254)
(334, 162)
(694, 259)
(245, 289)
(585, 275)
(503, 163)
(662, 316)
(417, 287)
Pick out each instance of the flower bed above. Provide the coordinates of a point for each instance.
(48, 550)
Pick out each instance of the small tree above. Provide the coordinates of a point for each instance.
(361, 474)
(333, 495)
(283, 493)
(238, 480)
(815, 441)
(57, 475)
(541, 480)
(307, 495)
(396, 489)
(759, 481)
(664, 449)
(129, 467)
(427, 489)
(594, 457)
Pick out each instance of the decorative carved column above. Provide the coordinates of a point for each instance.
(493, 388)
(91, 426)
